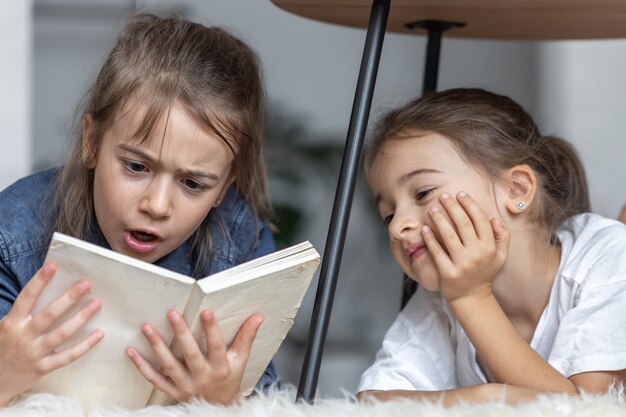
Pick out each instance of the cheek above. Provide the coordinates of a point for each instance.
(192, 213)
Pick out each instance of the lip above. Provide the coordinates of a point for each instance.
(139, 245)
(416, 250)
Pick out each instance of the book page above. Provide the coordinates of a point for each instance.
(274, 289)
(132, 293)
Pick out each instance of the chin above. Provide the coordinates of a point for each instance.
(428, 283)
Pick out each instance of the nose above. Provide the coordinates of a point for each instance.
(404, 223)
(157, 199)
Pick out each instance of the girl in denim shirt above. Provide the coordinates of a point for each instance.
(167, 168)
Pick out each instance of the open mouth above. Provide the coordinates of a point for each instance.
(144, 236)
(142, 241)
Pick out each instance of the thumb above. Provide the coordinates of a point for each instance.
(242, 344)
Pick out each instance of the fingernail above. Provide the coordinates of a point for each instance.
(425, 229)
(174, 316)
(147, 330)
(445, 196)
(99, 334)
(462, 194)
(93, 305)
(434, 209)
(48, 269)
(84, 286)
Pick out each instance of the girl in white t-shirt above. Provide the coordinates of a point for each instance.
(521, 290)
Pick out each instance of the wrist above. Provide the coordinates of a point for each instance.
(476, 297)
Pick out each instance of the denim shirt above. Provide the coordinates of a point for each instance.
(25, 215)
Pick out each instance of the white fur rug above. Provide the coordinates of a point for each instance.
(281, 404)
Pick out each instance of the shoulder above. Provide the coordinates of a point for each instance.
(593, 249)
(417, 351)
(25, 213)
(238, 234)
(425, 311)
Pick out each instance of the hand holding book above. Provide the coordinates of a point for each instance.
(215, 377)
(204, 349)
(29, 343)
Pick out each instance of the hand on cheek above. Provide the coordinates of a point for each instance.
(472, 247)
(215, 377)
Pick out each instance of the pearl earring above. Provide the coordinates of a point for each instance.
(218, 202)
(520, 205)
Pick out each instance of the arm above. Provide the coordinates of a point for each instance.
(506, 354)
(476, 393)
(476, 250)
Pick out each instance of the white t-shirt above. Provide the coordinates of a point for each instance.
(582, 328)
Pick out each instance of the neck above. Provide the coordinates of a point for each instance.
(524, 284)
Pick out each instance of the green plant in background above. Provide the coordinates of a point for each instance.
(296, 158)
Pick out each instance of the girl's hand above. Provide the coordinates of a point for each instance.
(28, 344)
(474, 247)
(215, 377)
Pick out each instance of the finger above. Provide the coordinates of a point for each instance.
(66, 330)
(449, 237)
(194, 358)
(242, 344)
(216, 348)
(461, 220)
(169, 363)
(477, 216)
(69, 355)
(51, 313)
(32, 290)
(151, 375)
(501, 236)
(439, 255)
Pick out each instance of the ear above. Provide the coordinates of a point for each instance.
(89, 151)
(223, 191)
(521, 188)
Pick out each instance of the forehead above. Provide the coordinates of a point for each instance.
(422, 150)
(146, 114)
(175, 132)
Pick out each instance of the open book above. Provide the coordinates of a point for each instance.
(134, 292)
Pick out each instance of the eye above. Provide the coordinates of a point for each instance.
(420, 195)
(194, 185)
(387, 219)
(135, 167)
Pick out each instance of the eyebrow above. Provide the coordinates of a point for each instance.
(151, 159)
(406, 177)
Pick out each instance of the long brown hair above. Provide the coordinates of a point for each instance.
(494, 133)
(157, 61)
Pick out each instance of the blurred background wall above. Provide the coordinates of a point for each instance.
(52, 50)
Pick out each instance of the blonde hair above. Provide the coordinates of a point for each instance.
(159, 61)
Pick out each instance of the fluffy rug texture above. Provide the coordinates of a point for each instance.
(281, 403)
